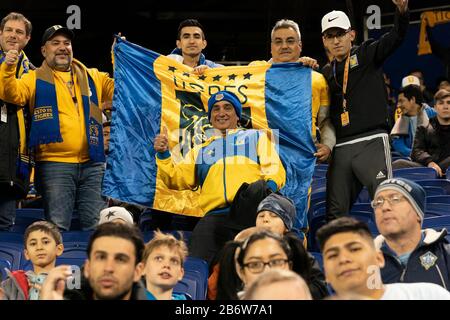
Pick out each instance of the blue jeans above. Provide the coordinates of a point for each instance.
(68, 186)
(7, 211)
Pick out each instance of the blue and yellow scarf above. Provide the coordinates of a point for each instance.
(45, 127)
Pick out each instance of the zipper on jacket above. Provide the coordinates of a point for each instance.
(224, 170)
(440, 275)
(8, 138)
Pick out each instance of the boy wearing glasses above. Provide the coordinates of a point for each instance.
(411, 254)
(358, 108)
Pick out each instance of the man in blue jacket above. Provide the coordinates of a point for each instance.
(411, 254)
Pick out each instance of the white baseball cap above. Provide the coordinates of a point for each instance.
(113, 213)
(335, 19)
(410, 80)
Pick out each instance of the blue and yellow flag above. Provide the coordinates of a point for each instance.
(153, 91)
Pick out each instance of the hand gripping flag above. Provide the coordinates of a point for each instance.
(153, 91)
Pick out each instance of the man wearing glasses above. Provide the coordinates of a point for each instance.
(359, 108)
(411, 254)
(286, 47)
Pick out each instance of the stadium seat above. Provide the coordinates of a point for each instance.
(319, 184)
(10, 258)
(437, 222)
(76, 236)
(443, 184)
(434, 191)
(414, 174)
(189, 287)
(318, 220)
(145, 221)
(445, 199)
(363, 196)
(362, 206)
(11, 237)
(320, 171)
(195, 280)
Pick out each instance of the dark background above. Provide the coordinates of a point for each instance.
(235, 30)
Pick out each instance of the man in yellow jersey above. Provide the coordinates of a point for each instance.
(286, 46)
(66, 127)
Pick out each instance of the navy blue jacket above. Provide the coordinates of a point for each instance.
(429, 262)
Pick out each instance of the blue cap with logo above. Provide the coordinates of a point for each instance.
(225, 96)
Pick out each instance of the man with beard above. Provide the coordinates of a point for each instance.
(112, 271)
(66, 126)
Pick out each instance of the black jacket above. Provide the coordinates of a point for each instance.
(429, 262)
(86, 293)
(13, 182)
(366, 95)
(432, 144)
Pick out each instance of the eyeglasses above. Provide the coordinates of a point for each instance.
(289, 42)
(393, 200)
(258, 266)
(338, 35)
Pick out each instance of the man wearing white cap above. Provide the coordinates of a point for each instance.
(358, 109)
(414, 113)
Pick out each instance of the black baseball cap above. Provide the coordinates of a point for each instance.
(54, 30)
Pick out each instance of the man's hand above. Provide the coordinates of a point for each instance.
(200, 69)
(402, 5)
(55, 283)
(323, 152)
(115, 40)
(12, 56)
(161, 142)
(435, 166)
(309, 62)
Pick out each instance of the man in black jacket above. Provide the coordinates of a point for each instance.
(410, 253)
(358, 109)
(432, 141)
(112, 271)
(15, 32)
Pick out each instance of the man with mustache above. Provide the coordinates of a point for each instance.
(410, 253)
(286, 46)
(66, 127)
(15, 162)
(112, 271)
(359, 108)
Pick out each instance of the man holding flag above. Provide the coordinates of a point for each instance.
(220, 166)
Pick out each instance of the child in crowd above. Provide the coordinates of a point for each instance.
(164, 258)
(43, 244)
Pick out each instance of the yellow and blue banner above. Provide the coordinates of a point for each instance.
(153, 91)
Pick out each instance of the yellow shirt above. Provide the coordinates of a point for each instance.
(74, 147)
